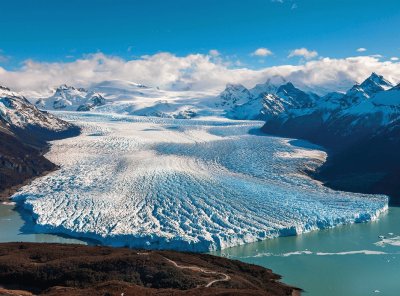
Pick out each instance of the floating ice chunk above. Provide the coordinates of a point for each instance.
(394, 241)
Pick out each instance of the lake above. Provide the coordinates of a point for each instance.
(357, 259)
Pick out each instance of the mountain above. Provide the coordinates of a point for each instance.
(233, 95)
(24, 132)
(368, 88)
(71, 99)
(266, 100)
(360, 128)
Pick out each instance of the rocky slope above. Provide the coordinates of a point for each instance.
(361, 128)
(55, 269)
(24, 132)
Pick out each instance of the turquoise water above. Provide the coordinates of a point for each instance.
(354, 260)
(13, 228)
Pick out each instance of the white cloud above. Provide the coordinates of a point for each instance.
(214, 52)
(303, 52)
(361, 49)
(262, 52)
(394, 59)
(197, 71)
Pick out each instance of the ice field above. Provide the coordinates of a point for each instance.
(194, 185)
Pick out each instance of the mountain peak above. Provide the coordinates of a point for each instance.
(288, 87)
(369, 87)
(378, 79)
(234, 86)
(65, 87)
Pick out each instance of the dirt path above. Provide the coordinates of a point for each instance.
(199, 269)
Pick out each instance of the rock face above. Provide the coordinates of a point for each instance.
(361, 128)
(71, 99)
(24, 132)
(55, 269)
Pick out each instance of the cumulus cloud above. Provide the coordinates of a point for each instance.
(361, 49)
(262, 52)
(303, 52)
(195, 71)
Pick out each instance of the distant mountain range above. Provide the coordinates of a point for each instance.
(24, 132)
(123, 97)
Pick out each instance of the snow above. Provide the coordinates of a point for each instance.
(193, 185)
(72, 99)
(17, 112)
(124, 97)
(385, 105)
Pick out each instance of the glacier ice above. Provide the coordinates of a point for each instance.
(193, 185)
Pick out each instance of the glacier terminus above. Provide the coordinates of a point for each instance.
(193, 185)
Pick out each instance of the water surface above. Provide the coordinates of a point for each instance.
(354, 260)
(15, 226)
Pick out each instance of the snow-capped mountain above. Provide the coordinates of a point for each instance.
(233, 95)
(368, 88)
(71, 99)
(268, 100)
(359, 104)
(17, 113)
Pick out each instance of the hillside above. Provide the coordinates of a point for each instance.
(55, 269)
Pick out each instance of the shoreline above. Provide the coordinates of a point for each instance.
(5, 195)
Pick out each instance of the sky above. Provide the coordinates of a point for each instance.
(252, 35)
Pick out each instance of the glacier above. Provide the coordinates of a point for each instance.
(189, 185)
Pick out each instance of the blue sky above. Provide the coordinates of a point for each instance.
(66, 30)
